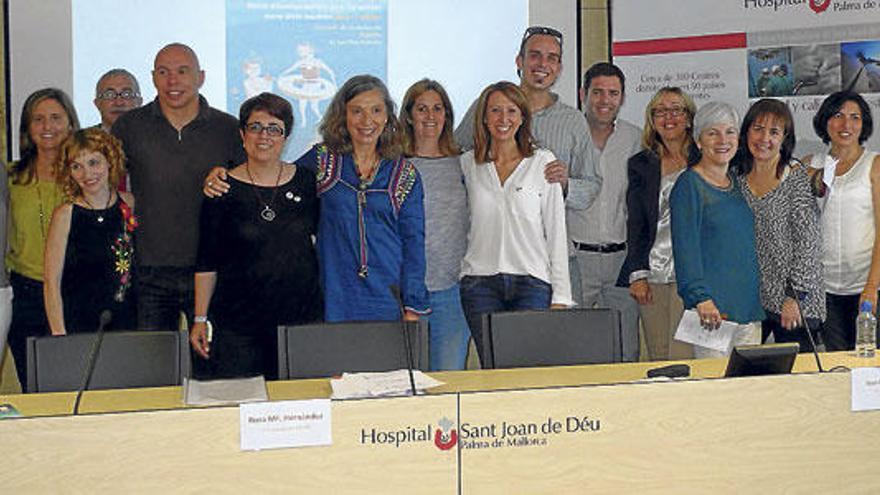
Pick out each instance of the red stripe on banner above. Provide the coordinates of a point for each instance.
(674, 45)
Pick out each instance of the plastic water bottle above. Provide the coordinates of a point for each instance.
(866, 331)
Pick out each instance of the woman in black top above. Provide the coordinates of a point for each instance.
(89, 248)
(257, 266)
(648, 270)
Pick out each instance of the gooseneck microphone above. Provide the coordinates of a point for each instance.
(799, 296)
(104, 319)
(404, 330)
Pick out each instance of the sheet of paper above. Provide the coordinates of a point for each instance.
(865, 389)
(231, 391)
(386, 384)
(282, 424)
(691, 331)
(830, 167)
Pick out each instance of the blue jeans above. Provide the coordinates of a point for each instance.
(502, 292)
(449, 330)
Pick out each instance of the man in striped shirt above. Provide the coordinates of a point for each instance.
(555, 125)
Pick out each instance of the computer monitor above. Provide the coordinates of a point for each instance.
(754, 360)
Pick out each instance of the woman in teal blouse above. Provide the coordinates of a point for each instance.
(713, 234)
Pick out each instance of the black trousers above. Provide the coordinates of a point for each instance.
(28, 320)
(840, 325)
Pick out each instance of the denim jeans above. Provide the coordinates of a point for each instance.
(502, 292)
(449, 330)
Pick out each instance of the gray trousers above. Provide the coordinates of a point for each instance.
(593, 278)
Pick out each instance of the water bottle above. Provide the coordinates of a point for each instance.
(866, 331)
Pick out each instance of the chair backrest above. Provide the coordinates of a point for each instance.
(330, 349)
(516, 339)
(126, 359)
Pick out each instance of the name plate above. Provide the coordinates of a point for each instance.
(865, 389)
(283, 424)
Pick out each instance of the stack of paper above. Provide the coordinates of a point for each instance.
(216, 392)
(387, 384)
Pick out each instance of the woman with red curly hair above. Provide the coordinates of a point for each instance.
(89, 248)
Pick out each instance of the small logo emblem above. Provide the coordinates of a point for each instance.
(446, 436)
(819, 6)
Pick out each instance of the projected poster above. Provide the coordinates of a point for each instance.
(738, 51)
(302, 50)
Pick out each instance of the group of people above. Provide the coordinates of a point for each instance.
(177, 208)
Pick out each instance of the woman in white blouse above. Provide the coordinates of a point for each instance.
(517, 255)
(851, 213)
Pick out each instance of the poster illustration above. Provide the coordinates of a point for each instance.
(302, 50)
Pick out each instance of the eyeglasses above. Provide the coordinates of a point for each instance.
(112, 94)
(673, 112)
(273, 130)
(533, 30)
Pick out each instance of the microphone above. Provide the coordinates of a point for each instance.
(404, 329)
(799, 296)
(103, 320)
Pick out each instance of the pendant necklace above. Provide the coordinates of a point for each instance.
(267, 213)
(100, 215)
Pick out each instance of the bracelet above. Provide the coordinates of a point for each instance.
(200, 319)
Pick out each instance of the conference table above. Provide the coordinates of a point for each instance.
(596, 428)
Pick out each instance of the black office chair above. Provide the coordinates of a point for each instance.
(514, 339)
(329, 349)
(127, 359)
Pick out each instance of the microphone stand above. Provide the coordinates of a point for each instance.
(404, 330)
(798, 297)
(105, 318)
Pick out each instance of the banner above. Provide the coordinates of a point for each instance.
(740, 50)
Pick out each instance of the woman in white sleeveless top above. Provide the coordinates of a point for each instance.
(851, 211)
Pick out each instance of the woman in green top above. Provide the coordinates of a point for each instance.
(47, 118)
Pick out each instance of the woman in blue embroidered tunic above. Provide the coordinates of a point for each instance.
(371, 234)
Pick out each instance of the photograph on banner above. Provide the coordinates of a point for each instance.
(861, 66)
(816, 69)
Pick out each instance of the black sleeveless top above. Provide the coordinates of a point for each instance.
(94, 265)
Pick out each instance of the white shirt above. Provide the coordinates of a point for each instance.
(604, 220)
(517, 228)
(848, 227)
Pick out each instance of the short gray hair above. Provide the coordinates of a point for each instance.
(118, 72)
(714, 112)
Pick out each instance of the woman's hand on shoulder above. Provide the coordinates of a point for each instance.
(215, 184)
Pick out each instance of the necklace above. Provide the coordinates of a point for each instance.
(100, 215)
(267, 213)
(368, 178)
(42, 212)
